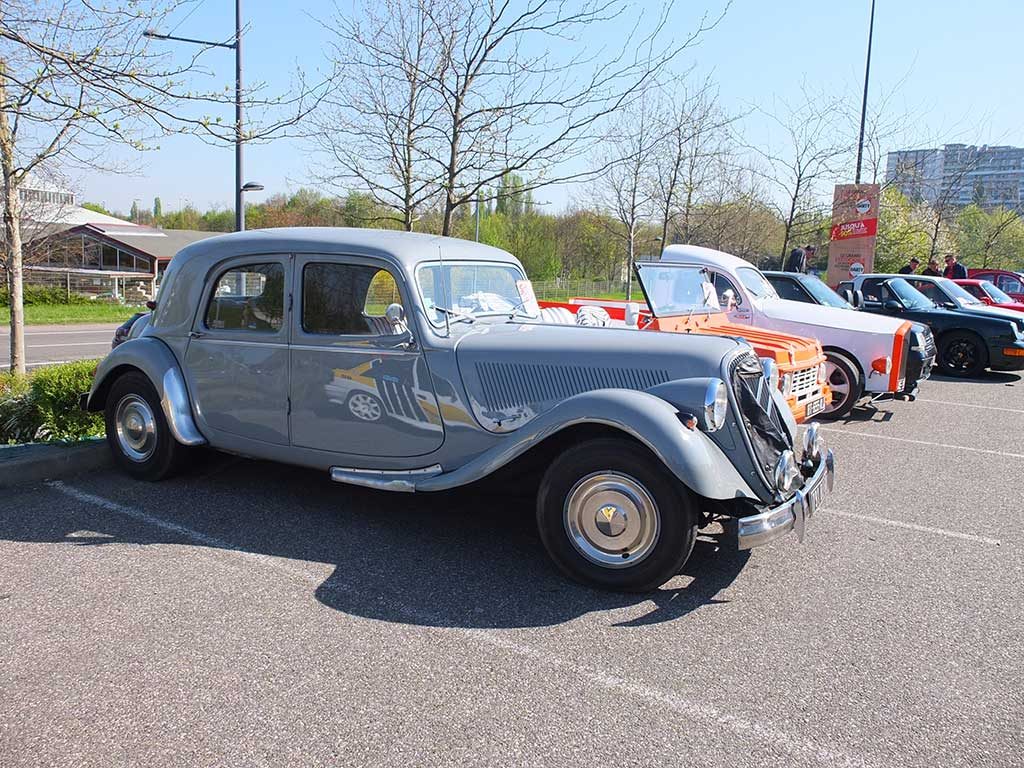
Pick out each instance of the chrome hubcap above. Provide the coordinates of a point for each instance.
(365, 407)
(839, 383)
(136, 428)
(611, 520)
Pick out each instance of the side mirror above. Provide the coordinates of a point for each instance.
(395, 314)
(891, 305)
(150, 305)
(632, 314)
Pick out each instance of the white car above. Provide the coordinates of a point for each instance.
(865, 354)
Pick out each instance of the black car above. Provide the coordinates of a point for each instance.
(970, 338)
(808, 288)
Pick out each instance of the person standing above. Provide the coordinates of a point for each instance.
(954, 270)
(911, 268)
(932, 270)
(797, 261)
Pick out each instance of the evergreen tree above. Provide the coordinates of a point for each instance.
(158, 209)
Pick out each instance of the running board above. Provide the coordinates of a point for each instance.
(384, 479)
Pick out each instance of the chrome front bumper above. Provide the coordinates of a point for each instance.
(792, 514)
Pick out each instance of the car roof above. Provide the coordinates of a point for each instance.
(407, 248)
(697, 254)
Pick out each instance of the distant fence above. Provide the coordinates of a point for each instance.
(92, 283)
(565, 288)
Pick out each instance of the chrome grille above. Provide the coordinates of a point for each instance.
(512, 385)
(805, 382)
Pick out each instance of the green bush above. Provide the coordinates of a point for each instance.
(35, 294)
(44, 404)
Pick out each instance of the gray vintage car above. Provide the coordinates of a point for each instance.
(412, 363)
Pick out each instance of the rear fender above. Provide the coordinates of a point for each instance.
(690, 455)
(154, 359)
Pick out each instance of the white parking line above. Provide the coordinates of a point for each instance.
(1007, 454)
(698, 711)
(970, 405)
(914, 527)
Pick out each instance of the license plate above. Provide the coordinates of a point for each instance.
(815, 498)
(815, 406)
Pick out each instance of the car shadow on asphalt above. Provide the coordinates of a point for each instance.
(453, 559)
(988, 377)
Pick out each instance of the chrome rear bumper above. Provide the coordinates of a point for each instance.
(792, 514)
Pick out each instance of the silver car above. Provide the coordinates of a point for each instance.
(412, 363)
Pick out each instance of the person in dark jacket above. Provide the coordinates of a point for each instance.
(911, 268)
(932, 270)
(954, 270)
(797, 261)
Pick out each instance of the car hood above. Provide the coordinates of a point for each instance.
(828, 317)
(515, 371)
(787, 350)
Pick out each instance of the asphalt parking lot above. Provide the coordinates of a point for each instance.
(253, 614)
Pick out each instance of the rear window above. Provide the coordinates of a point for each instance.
(248, 298)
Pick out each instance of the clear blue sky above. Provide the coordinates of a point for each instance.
(959, 64)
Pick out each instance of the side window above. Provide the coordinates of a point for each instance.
(723, 284)
(789, 289)
(930, 290)
(873, 290)
(975, 291)
(1010, 284)
(248, 298)
(347, 299)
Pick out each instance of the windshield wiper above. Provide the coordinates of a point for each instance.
(455, 314)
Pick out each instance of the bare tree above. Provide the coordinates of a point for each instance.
(804, 162)
(372, 131)
(624, 191)
(77, 76)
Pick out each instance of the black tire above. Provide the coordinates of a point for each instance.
(847, 383)
(616, 460)
(961, 353)
(152, 461)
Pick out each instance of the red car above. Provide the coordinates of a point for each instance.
(1005, 280)
(990, 295)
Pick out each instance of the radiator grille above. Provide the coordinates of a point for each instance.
(805, 382)
(512, 385)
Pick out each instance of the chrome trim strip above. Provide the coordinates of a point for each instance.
(175, 405)
(401, 481)
(791, 515)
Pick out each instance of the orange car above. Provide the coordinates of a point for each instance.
(800, 360)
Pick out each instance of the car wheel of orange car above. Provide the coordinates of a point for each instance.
(962, 354)
(844, 380)
(611, 515)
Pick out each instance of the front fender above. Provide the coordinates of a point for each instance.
(153, 358)
(689, 454)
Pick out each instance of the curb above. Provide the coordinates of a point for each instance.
(22, 464)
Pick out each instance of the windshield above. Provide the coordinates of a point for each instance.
(471, 289)
(995, 294)
(756, 283)
(823, 294)
(959, 295)
(672, 290)
(909, 295)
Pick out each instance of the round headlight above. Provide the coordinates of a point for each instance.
(814, 443)
(716, 405)
(786, 472)
(822, 373)
(787, 385)
(770, 371)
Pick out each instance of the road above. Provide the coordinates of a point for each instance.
(59, 343)
(255, 614)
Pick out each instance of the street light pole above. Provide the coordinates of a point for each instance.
(864, 103)
(240, 187)
(239, 200)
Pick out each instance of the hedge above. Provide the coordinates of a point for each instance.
(34, 294)
(43, 406)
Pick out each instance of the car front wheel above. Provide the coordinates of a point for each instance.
(611, 515)
(962, 354)
(845, 382)
(137, 431)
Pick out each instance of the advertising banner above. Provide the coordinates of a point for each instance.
(854, 227)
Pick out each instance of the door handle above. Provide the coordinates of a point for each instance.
(196, 334)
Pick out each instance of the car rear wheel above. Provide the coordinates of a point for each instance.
(962, 354)
(844, 380)
(137, 431)
(611, 515)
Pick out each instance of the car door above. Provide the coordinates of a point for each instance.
(358, 385)
(874, 295)
(236, 362)
(1011, 285)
